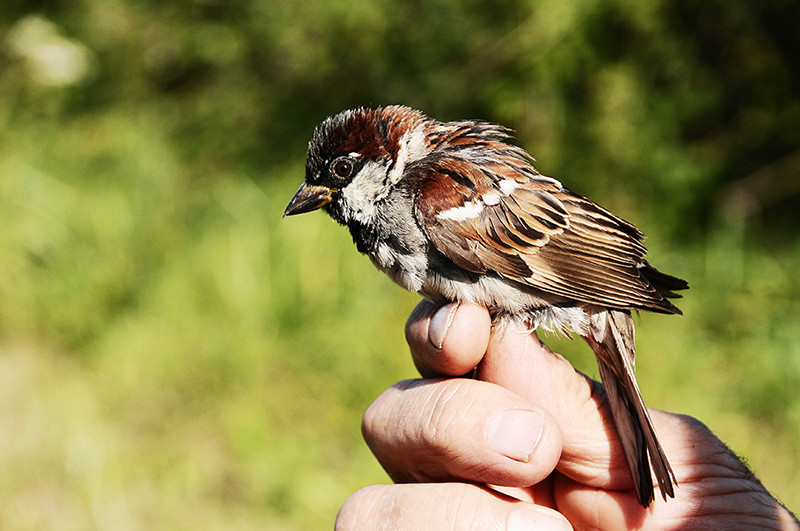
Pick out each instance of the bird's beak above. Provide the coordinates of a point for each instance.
(308, 198)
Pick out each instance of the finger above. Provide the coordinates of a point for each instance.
(440, 430)
(442, 506)
(447, 340)
(715, 489)
(591, 454)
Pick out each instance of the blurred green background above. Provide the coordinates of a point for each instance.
(173, 355)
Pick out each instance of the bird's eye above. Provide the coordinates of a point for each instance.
(342, 167)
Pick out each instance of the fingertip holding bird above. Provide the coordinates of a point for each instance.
(460, 328)
(440, 323)
(449, 339)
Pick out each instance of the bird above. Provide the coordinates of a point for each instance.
(456, 211)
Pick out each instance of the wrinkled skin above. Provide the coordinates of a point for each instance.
(530, 423)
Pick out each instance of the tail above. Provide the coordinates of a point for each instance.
(611, 336)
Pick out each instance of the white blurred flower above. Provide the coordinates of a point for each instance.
(52, 59)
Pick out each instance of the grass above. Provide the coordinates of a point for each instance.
(174, 355)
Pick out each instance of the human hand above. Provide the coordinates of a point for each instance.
(540, 433)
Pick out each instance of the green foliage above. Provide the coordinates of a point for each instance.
(174, 355)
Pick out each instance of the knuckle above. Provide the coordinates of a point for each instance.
(444, 416)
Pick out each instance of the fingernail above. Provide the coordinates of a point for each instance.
(528, 519)
(440, 324)
(515, 433)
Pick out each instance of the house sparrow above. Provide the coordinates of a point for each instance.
(455, 212)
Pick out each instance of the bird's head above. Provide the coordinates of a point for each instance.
(356, 157)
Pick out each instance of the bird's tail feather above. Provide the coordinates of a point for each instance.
(611, 336)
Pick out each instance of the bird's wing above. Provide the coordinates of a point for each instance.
(502, 216)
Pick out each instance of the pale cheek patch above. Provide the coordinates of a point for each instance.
(365, 190)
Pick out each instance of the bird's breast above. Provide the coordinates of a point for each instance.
(503, 298)
(408, 270)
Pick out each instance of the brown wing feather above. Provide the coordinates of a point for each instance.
(539, 234)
